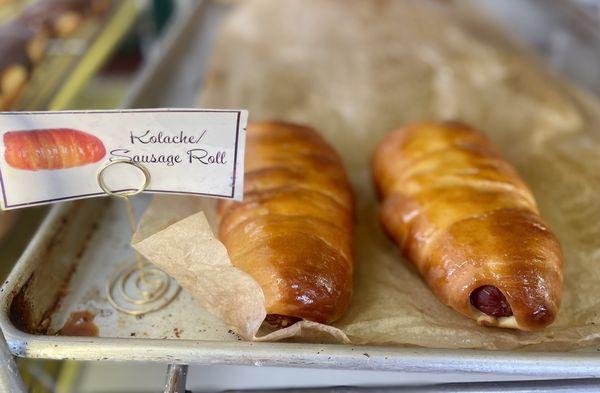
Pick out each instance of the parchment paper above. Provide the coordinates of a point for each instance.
(180, 239)
(357, 69)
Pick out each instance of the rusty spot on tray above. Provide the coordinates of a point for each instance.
(80, 323)
(20, 312)
(21, 309)
(42, 327)
(86, 242)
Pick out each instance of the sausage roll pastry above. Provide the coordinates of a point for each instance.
(56, 148)
(20, 49)
(294, 231)
(469, 224)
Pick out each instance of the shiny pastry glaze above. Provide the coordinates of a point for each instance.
(466, 220)
(55, 148)
(293, 232)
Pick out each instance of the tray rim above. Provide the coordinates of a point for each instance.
(335, 356)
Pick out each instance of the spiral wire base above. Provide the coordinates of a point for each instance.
(138, 287)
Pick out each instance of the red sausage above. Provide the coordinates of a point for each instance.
(489, 300)
(281, 321)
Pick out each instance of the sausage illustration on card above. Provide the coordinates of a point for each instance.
(55, 148)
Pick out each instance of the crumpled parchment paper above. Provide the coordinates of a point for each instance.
(357, 69)
(181, 241)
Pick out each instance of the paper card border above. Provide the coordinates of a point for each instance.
(242, 115)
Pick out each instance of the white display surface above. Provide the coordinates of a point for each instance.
(55, 156)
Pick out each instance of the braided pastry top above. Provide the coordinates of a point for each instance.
(469, 224)
(293, 233)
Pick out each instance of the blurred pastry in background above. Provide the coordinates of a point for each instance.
(61, 18)
(20, 49)
(23, 40)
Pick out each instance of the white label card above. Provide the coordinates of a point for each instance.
(49, 157)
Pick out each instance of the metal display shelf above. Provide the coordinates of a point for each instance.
(56, 81)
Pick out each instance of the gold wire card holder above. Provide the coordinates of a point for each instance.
(136, 287)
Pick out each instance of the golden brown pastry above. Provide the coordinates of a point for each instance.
(56, 148)
(469, 224)
(294, 231)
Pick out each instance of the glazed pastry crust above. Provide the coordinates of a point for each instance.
(57, 148)
(465, 219)
(293, 232)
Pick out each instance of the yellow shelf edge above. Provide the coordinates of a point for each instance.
(112, 33)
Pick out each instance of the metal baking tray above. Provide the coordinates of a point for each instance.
(66, 266)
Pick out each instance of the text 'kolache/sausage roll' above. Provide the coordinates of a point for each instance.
(469, 224)
(293, 233)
